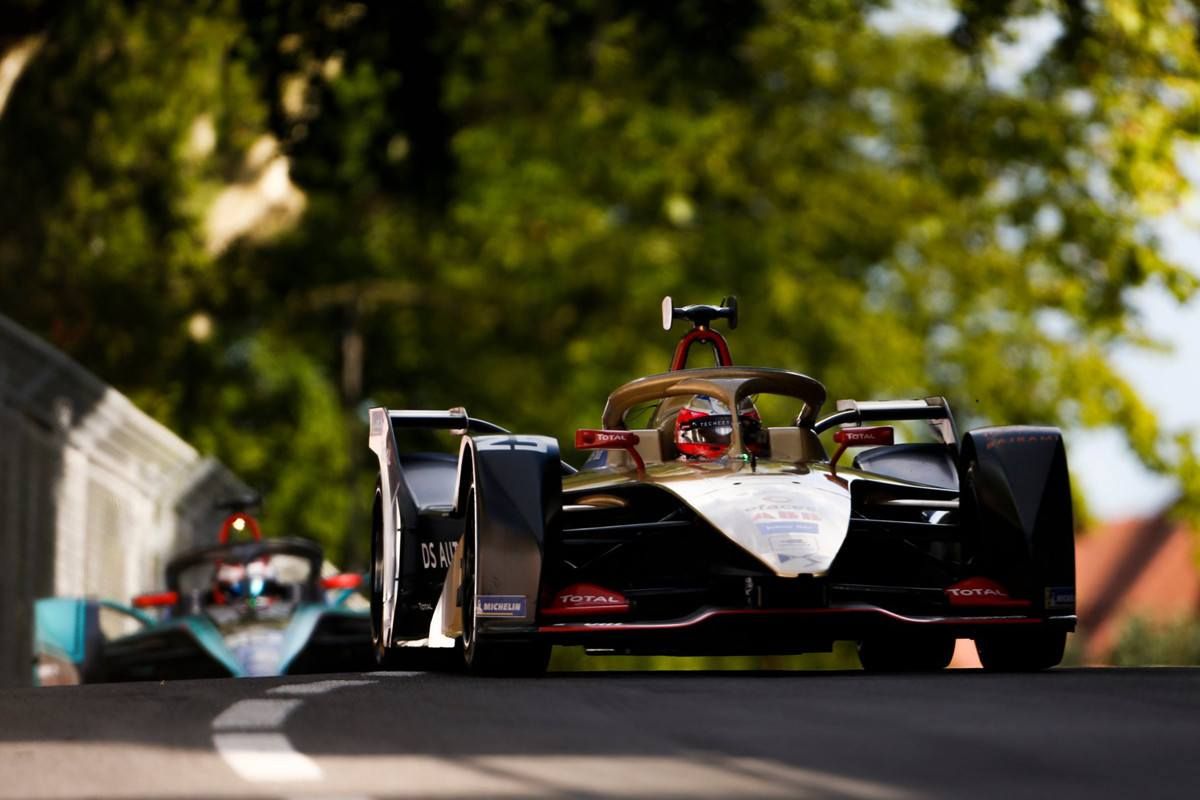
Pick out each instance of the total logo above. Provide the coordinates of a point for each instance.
(978, 592)
(585, 598)
(590, 599)
(610, 438)
(592, 438)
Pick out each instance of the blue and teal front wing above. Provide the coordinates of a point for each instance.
(325, 639)
(317, 638)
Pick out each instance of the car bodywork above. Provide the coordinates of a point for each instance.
(773, 548)
(294, 622)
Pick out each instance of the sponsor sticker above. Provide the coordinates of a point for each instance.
(1006, 439)
(810, 561)
(776, 527)
(598, 459)
(585, 438)
(437, 555)
(977, 592)
(1060, 597)
(500, 605)
(791, 545)
(589, 599)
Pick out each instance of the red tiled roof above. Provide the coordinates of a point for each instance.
(1141, 567)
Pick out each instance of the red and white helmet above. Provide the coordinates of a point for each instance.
(704, 427)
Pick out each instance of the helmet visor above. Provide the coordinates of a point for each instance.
(709, 429)
(704, 428)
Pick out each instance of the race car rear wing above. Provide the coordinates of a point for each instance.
(456, 419)
(855, 412)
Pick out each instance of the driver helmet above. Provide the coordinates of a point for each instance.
(261, 578)
(704, 427)
(245, 581)
(231, 582)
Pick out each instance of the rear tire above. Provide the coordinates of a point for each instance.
(1021, 651)
(481, 656)
(906, 652)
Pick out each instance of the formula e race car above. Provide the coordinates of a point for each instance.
(247, 608)
(709, 519)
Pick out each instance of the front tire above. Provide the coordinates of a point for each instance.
(1021, 651)
(378, 645)
(906, 652)
(480, 655)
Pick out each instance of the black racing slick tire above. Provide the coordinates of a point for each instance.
(397, 658)
(906, 652)
(1021, 651)
(482, 656)
(378, 645)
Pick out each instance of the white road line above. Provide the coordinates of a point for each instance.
(391, 674)
(255, 714)
(317, 687)
(246, 734)
(265, 757)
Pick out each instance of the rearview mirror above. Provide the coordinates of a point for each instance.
(588, 439)
(346, 580)
(156, 600)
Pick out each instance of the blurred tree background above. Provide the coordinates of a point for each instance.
(256, 217)
(1143, 642)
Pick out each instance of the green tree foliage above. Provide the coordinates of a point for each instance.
(498, 193)
(1145, 643)
(101, 247)
(274, 418)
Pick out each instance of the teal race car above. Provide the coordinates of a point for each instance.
(236, 609)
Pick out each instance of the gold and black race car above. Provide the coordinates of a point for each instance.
(711, 519)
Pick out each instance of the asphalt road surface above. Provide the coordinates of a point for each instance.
(963, 734)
